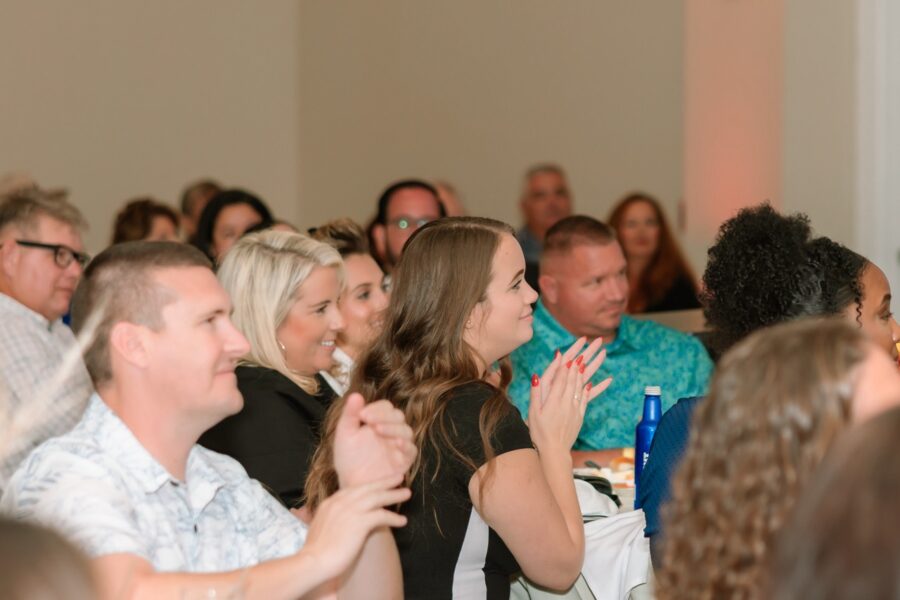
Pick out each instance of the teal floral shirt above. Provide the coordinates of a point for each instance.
(643, 353)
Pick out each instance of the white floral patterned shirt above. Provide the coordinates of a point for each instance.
(98, 485)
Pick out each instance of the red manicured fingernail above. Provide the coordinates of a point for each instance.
(581, 369)
(569, 365)
(579, 359)
(589, 386)
(535, 380)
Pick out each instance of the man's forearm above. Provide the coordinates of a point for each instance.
(281, 579)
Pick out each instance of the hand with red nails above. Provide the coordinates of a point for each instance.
(559, 398)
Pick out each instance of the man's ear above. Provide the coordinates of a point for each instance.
(379, 242)
(9, 255)
(549, 289)
(129, 342)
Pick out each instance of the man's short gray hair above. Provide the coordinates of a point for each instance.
(23, 207)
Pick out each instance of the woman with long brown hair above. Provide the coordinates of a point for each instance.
(491, 497)
(659, 277)
(776, 403)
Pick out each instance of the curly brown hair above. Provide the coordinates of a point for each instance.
(421, 356)
(776, 402)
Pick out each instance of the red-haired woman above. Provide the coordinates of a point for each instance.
(659, 277)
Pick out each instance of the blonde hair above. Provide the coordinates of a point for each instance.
(262, 274)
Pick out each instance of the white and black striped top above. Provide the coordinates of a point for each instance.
(447, 550)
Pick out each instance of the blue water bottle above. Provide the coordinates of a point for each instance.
(644, 435)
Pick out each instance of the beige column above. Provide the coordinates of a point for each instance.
(733, 112)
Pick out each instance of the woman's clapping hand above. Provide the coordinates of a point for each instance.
(559, 398)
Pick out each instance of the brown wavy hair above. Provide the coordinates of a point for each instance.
(420, 356)
(776, 403)
(668, 263)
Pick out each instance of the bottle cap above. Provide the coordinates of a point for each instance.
(653, 390)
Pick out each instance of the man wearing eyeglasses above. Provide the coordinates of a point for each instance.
(44, 385)
(402, 208)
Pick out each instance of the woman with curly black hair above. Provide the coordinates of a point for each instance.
(766, 268)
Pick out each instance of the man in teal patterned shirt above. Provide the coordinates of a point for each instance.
(584, 292)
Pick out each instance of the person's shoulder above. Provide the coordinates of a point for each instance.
(681, 411)
(471, 394)
(648, 332)
(227, 468)
(72, 462)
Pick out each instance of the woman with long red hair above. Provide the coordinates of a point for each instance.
(659, 277)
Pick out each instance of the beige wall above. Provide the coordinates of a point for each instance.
(474, 92)
(318, 104)
(820, 122)
(114, 98)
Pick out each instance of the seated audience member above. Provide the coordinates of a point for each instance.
(766, 268)
(545, 200)
(362, 301)
(485, 503)
(37, 563)
(285, 289)
(228, 216)
(194, 199)
(44, 386)
(449, 197)
(659, 278)
(145, 219)
(161, 517)
(584, 292)
(776, 402)
(402, 208)
(840, 542)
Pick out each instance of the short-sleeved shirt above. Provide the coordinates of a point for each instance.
(446, 549)
(44, 385)
(99, 486)
(643, 353)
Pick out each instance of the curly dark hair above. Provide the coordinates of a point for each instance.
(766, 268)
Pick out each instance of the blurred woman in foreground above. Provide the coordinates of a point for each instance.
(776, 403)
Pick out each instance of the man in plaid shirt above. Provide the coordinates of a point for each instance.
(44, 386)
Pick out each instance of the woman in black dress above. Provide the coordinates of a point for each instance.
(491, 498)
(285, 288)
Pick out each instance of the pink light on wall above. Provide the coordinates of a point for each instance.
(734, 95)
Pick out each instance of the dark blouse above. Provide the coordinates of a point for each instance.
(276, 433)
(681, 296)
(446, 549)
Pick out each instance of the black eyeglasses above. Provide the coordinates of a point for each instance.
(407, 222)
(63, 255)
